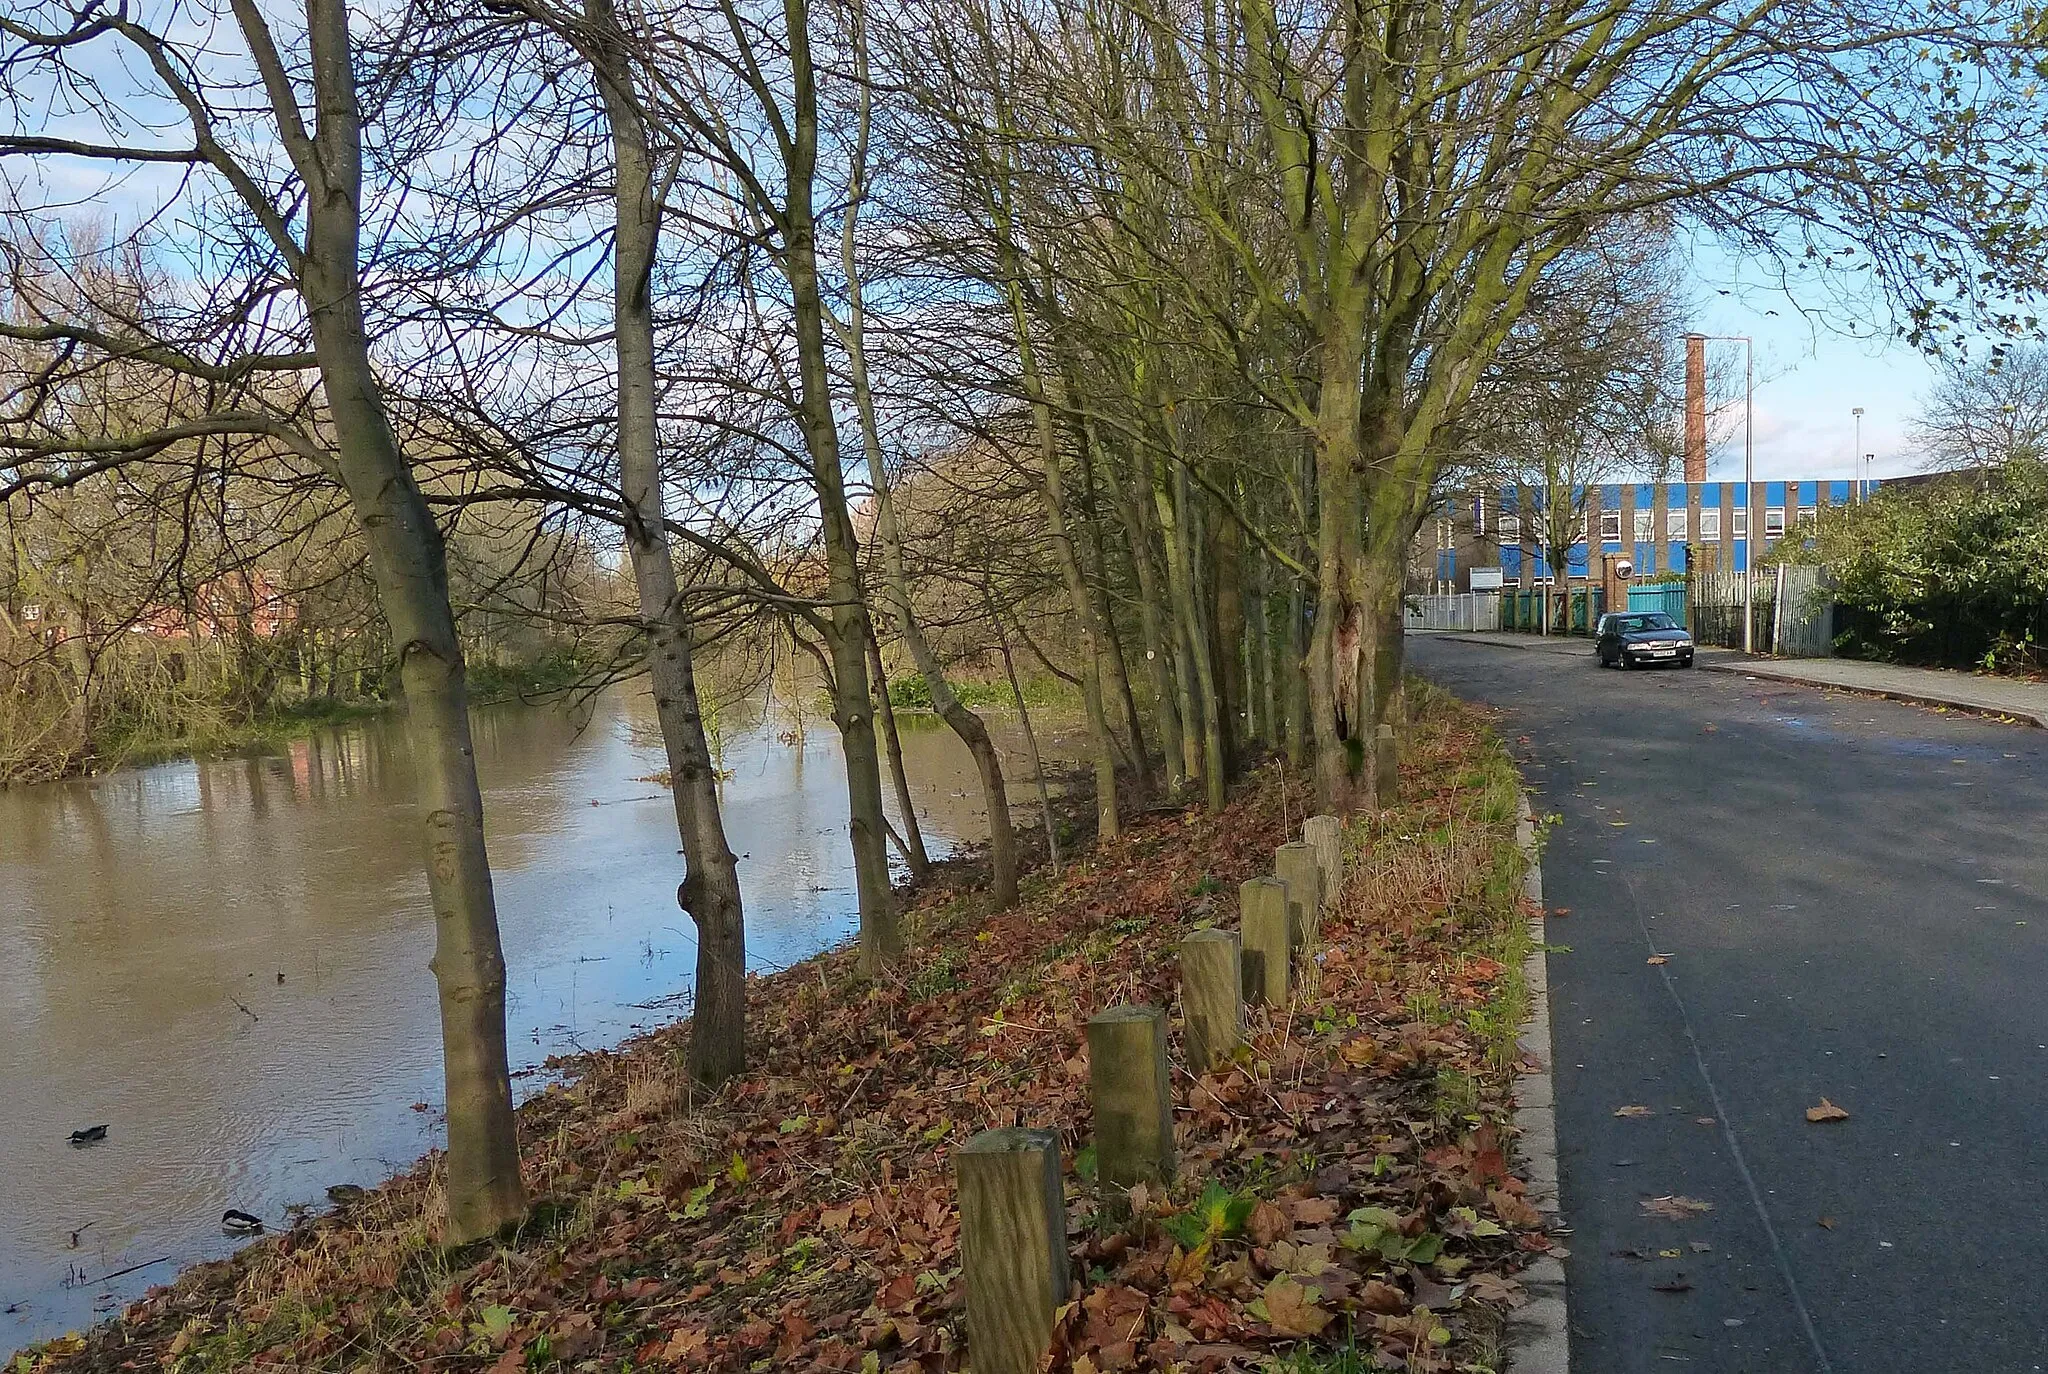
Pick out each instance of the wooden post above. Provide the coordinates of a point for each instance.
(1212, 996)
(1295, 864)
(1325, 835)
(1133, 1096)
(1263, 908)
(1387, 778)
(1013, 1246)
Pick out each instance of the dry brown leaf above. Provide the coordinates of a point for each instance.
(1826, 1111)
(1633, 1111)
(1291, 1309)
(1659, 959)
(1267, 1224)
(1311, 1211)
(1674, 1207)
(1382, 1297)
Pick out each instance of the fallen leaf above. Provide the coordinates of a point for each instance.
(687, 1346)
(1826, 1223)
(1497, 1290)
(1826, 1111)
(1635, 1111)
(1384, 1298)
(1659, 959)
(1267, 1224)
(1311, 1211)
(1674, 1207)
(1291, 1309)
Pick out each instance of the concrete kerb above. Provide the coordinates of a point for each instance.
(1538, 1332)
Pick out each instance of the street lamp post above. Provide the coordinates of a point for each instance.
(1862, 488)
(1748, 480)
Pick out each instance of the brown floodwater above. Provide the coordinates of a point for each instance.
(226, 962)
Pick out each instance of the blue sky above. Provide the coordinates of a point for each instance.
(1817, 359)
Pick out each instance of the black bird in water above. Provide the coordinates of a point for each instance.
(89, 1135)
(236, 1222)
(342, 1194)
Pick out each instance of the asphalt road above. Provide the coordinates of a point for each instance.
(1849, 895)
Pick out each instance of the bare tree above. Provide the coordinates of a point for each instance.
(292, 302)
(1985, 413)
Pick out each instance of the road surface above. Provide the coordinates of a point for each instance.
(1847, 895)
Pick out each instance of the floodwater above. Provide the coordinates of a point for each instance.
(226, 962)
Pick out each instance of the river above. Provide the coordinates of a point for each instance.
(226, 961)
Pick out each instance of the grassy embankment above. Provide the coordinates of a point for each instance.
(1345, 1197)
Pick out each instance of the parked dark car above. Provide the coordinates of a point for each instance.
(1631, 639)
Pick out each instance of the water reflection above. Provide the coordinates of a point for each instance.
(226, 961)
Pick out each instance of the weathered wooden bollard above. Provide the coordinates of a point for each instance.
(1212, 996)
(1132, 1095)
(1295, 864)
(1387, 769)
(1325, 835)
(1263, 905)
(1013, 1246)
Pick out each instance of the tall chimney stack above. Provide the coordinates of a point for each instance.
(1695, 408)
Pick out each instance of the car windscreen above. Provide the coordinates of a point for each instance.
(1654, 620)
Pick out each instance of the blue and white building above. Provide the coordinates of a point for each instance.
(1660, 528)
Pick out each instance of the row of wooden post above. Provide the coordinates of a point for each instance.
(1013, 1215)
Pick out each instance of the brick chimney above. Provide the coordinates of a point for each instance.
(1695, 408)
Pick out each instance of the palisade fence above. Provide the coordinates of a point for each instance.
(1469, 611)
(1793, 615)
(1546, 610)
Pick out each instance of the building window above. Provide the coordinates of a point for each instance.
(1479, 513)
(1585, 525)
(1511, 529)
(1674, 524)
(1710, 524)
(1740, 516)
(1774, 521)
(1809, 516)
(1610, 526)
(1646, 526)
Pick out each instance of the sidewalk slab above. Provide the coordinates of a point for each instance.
(1990, 696)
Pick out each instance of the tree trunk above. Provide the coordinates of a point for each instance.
(710, 891)
(914, 852)
(1199, 676)
(1002, 831)
(1259, 653)
(1092, 515)
(1228, 639)
(881, 932)
(409, 565)
(1134, 506)
(1052, 493)
(1341, 743)
(1294, 678)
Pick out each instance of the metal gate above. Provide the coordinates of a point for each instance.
(1668, 597)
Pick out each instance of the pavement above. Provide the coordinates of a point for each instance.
(1763, 895)
(1990, 696)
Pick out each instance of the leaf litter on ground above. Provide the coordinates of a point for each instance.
(1348, 1179)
